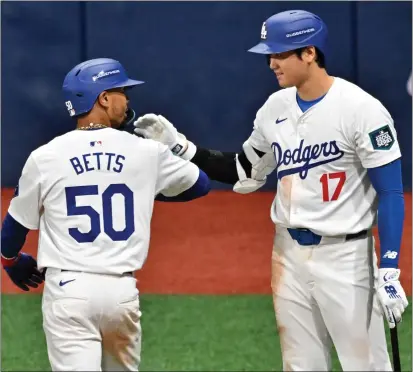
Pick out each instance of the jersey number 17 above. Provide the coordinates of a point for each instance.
(325, 178)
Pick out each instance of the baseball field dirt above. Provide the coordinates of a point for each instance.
(205, 291)
(220, 244)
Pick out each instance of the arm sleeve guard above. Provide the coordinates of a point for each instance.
(219, 166)
(387, 181)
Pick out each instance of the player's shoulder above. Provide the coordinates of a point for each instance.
(137, 142)
(282, 97)
(55, 145)
(276, 104)
(354, 97)
(128, 142)
(49, 147)
(141, 147)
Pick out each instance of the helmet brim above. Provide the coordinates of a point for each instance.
(269, 48)
(128, 83)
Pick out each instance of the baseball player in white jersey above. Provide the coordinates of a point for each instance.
(90, 193)
(335, 153)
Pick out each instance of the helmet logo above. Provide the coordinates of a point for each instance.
(263, 31)
(103, 74)
(70, 108)
(301, 32)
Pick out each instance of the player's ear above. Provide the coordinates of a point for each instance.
(103, 99)
(309, 54)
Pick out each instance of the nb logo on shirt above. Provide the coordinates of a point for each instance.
(390, 254)
(305, 156)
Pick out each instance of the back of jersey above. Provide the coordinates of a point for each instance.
(91, 194)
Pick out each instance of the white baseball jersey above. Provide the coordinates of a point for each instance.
(321, 157)
(91, 195)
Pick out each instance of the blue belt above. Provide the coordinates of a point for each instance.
(307, 237)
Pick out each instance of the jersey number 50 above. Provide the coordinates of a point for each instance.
(95, 227)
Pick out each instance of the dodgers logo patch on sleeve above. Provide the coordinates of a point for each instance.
(382, 138)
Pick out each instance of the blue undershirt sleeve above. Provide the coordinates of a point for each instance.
(387, 181)
(200, 188)
(13, 236)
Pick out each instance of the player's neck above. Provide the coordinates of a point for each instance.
(316, 86)
(87, 120)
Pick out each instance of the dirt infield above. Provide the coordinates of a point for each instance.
(220, 244)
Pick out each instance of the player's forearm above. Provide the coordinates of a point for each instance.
(219, 166)
(246, 171)
(13, 236)
(390, 226)
(199, 189)
(387, 181)
(222, 166)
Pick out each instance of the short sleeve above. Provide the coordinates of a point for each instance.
(375, 137)
(257, 139)
(175, 175)
(26, 204)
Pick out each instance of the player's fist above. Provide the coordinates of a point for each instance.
(23, 271)
(158, 128)
(391, 295)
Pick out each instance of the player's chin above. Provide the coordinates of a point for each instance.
(284, 83)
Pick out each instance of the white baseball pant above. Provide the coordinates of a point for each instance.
(323, 295)
(91, 321)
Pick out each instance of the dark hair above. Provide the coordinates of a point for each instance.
(320, 59)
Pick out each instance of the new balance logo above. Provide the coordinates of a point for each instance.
(390, 254)
(391, 291)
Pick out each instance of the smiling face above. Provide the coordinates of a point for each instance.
(292, 68)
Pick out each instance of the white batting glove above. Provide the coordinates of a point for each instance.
(391, 295)
(158, 128)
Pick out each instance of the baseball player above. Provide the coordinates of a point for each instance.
(334, 151)
(90, 193)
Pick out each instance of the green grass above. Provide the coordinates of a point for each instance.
(180, 333)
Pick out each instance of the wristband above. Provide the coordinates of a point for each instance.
(189, 152)
(8, 262)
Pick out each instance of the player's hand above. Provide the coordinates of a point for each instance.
(23, 271)
(391, 295)
(160, 129)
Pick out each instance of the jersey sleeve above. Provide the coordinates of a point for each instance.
(175, 175)
(26, 204)
(257, 139)
(376, 137)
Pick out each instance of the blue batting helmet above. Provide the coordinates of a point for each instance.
(84, 82)
(291, 30)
